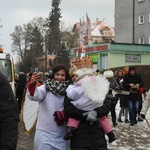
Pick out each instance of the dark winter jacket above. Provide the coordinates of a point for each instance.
(136, 79)
(87, 136)
(20, 85)
(9, 116)
(123, 100)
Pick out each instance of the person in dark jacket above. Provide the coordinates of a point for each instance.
(9, 116)
(21, 83)
(133, 82)
(87, 136)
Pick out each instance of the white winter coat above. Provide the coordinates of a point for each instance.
(49, 103)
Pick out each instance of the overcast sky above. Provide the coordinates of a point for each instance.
(19, 12)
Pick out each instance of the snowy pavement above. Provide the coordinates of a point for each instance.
(128, 137)
(131, 137)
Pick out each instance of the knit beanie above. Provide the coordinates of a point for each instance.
(131, 68)
(108, 74)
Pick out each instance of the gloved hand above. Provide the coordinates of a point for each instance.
(111, 97)
(141, 116)
(117, 88)
(91, 116)
(60, 117)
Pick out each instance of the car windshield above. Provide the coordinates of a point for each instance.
(5, 68)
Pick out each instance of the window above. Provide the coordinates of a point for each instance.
(104, 62)
(5, 68)
(141, 19)
(149, 40)
(141, 40)
(149, 17)
(141, 1)
(105, 31)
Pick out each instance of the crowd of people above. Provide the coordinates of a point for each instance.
(74, 106)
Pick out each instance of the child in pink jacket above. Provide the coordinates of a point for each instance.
(87, 94)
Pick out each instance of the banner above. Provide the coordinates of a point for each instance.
(89, 36)
(81, 34)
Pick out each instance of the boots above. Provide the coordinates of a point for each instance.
(119, 120)
(111, 137)
(69, 133)
(114, 124)
(127, 121)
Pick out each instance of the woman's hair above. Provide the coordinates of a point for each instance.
(58, 68)
(117, 72)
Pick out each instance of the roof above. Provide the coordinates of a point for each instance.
(96, 31)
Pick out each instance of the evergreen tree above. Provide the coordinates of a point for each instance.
(62, 57)
(53, 40)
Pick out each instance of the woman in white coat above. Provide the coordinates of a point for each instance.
(51, 126)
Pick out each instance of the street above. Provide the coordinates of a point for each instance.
(128, 137)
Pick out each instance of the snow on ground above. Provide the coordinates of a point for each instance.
(131, 137)
(128, 137)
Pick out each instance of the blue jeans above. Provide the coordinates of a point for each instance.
(124, 110)
(133, 110)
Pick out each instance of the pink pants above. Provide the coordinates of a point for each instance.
(103, 122)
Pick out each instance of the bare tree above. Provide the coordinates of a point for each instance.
(28, 42)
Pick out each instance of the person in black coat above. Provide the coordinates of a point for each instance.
(21, 83)
(9, 116)
(87, 136)
(133, 82)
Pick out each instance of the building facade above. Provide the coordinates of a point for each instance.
(113, 55)
(132, 21)
(101, 32)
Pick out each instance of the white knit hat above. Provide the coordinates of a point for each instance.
(84, 71)
(108, 74)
